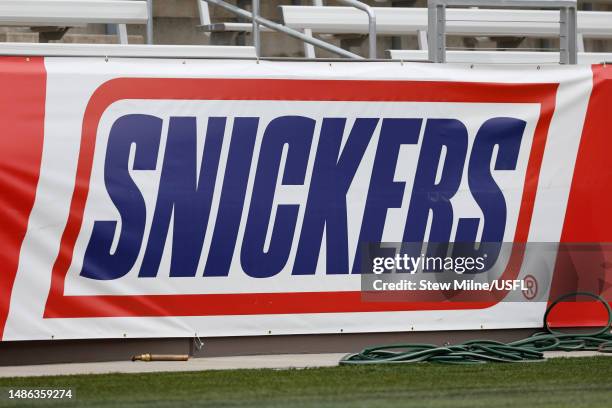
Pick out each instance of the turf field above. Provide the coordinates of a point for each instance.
(561, 382)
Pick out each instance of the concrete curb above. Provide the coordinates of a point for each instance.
(280, 361)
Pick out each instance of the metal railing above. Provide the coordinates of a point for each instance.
(257, 20)
(371, 24)
(568, 31)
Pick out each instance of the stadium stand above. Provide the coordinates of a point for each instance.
(338, 22)
(488, 35)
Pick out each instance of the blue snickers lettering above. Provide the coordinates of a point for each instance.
(384, 193)
(232, 199)
(332, 176)
(144, 132)
(185, 196)
(296, 132)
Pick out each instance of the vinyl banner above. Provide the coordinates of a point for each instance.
(171, 198)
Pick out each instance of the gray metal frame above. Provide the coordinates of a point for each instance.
(150, 22)
(436, 30)
(256, 33)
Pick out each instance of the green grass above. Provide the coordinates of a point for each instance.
(561, 382)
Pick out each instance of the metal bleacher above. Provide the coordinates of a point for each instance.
(319, 25)
(461, 22)
(317, 19)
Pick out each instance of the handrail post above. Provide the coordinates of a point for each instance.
(568, 36)
(371, 24)
(256, 33)
(149, 22)
(436, 31)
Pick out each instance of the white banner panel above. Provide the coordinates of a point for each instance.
(228, 198)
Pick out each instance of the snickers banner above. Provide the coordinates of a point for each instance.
(171, 198)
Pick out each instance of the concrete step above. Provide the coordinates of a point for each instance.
(176, 8)
(89, 29)
(27, 36)
(98, 39)
(17, 36)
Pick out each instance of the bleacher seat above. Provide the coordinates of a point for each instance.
(504, 57)
(70, 13)
(466, 22)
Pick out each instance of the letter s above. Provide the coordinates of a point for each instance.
(144, 131)
(506, 134)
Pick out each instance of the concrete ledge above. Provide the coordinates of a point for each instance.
(284, 361)
(276, 361)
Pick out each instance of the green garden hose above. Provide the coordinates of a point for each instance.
(482, 351)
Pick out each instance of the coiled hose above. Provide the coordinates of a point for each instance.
(483, 351)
